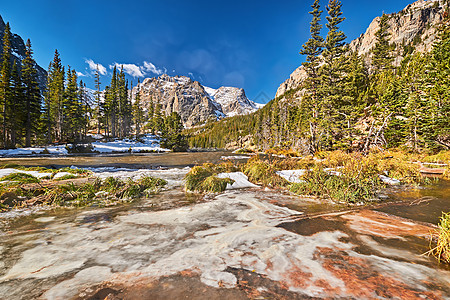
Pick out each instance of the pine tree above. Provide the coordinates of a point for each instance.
(312, 49)
(332, 73)
(97, 97)
(17, 109)
(73, 111)
(157, 120)
(171, 134)
(438, 89)
(138, 113)
(54, 99)
(84, 110)
(113, 101)
(5, 81)
(355, 87)
(314, 46)
(382, 57)
(106, 109)
(334, 42)
(32, 95)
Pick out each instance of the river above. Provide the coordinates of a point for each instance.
(242, 244)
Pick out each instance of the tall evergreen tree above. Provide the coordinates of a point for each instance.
(382, 57)
(84, 110)
(332, 73)
(17, 109)
(54, 99)
(5, 81)
(72, 118)
(312, 49)
(97, 97)
(138, 112)
(171, 134)
(32, 95)
(438, 88)
(113, 101)
(314, 46)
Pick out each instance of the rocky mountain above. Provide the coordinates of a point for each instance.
(18, 52)
(233, 101)
(195, 103)
(415, 26)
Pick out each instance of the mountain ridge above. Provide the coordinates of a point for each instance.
(195, 103)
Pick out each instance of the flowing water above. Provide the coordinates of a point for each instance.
(242, 244)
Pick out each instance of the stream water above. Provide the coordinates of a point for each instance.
(242, 244)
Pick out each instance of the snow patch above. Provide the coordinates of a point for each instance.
(292, 175)
(37, 174)
(240, 180)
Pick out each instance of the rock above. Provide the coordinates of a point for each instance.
(233, 101)
(389, 180)
(195, 103)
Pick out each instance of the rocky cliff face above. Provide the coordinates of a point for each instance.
(233, 101)
(195, 103)
(18, 53)
(413, 26)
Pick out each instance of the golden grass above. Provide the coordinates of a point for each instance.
(442, 235)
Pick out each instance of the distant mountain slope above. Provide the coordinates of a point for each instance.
(195, 103)
(414, 27)
(18, 51)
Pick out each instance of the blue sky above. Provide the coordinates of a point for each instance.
(247, 43)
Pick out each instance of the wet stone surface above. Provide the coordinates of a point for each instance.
(237, 245)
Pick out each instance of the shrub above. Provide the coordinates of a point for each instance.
(442, 235)
(80, 148)
(194, 179)
(113, 190)
(262, 172)
(345, 188)
(203, 178)
(215, 184)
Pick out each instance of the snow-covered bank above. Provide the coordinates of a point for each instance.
(148, 143)
(174, 177)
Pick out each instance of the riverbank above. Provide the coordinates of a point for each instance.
(143, 144)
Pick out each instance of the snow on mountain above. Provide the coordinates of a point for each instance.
(195, 103)
(234, 101)
(210, 91)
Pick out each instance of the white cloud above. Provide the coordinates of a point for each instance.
(130, 69)
(191, 75)
(79, 74)
(149, 67)
(93, 66)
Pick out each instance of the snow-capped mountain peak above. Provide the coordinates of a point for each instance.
(195, 103)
